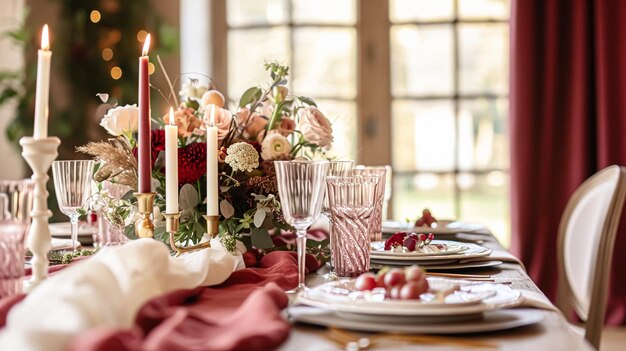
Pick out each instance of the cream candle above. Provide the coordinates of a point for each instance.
(43, 86)
(212, 200)
(144, 160)
(171, 165)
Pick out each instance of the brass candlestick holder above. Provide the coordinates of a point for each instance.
(144, 227)
(172, 222)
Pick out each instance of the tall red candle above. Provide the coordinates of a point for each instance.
(144, 157)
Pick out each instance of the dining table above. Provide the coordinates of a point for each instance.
(244, 310)
(554, 332)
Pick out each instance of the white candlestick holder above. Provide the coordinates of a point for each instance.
(39, 154)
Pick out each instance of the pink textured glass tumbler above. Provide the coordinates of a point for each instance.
(376, 228)
(351, 202)
(16, 203)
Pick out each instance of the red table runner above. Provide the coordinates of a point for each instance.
(243, 313)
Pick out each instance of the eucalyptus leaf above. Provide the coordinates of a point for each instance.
(250, 95)
(226, 209)
(259, 217)
(261, 238)
(188, 197)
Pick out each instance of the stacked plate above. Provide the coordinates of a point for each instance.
(443, 227)
(440, 254)
(468, 307)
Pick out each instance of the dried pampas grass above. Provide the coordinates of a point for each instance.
(117, 162)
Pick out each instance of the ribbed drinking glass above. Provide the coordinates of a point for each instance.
(376, 229)
(301, 187)
(352, 209)
(16, 204)
(336, 169)
(72, 184)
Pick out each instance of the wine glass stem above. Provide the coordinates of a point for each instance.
(301, 243)
(74, 231)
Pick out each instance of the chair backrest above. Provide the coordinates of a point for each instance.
(585, 247)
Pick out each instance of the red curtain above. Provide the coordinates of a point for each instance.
(567, 121)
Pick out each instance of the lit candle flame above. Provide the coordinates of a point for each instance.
(45, 41)
(146, 45)
(212, 117)
(172, 116)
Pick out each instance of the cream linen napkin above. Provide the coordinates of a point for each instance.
(107, 290)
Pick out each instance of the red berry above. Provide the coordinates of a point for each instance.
(410, 291)
(366, 281)
(413, 274)
(394, 240)
(410, 243)
(423, 237)
(394, 277)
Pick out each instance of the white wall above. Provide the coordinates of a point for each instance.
(11, 165)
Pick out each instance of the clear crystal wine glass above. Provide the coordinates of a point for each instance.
(72, 184)
(301, 187)
(335, 169)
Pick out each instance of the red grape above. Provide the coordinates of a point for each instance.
(394, 277)
(410, 291)
(380, 279)
(366, 281)
(414, 274)
(395, 292)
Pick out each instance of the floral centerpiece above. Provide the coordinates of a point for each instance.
(269, 123)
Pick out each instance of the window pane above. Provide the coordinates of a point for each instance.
(484, 58)
(413, 193)
(423, 135)
(247, 12)
(420, 10)
(480, 9)
(325, 62)
(343, 117)
(248, 50)
(483, 134)
(421, 60)
(485, 199)
(324, 11)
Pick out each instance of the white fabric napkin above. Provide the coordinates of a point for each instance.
(107, 290)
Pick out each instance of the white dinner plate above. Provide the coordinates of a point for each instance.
(376, 264)
(489, 321)
(378, 253)
(470, 299)
(62, 229)
(445, 227)
(449, 248)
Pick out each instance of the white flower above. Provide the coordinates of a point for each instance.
(121, 120)
(193, 90)
(315, 127)
(242, 157)
(275, 145)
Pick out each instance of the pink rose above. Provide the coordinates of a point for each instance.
(223, 120)
(252, 123)
(315, 127)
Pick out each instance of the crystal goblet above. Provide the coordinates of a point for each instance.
(301, 187)
(72, 184)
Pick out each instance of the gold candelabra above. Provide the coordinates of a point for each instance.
(144, 227)
(172, 222)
